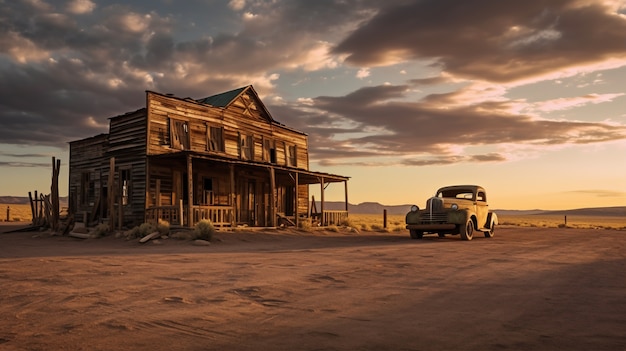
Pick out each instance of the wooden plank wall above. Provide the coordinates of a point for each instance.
(86, 156)
(236, 120)
(127, 143)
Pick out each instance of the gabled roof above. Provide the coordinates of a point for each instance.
(223, 99)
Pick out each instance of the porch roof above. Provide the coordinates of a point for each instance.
(304, 176)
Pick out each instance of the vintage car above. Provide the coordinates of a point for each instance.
(457, 209)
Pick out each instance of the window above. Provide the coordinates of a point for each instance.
(215, 139)
(481, 196)
(269, 150)
(125, 183)
(179, 134)
(290, 155)
(246, 147)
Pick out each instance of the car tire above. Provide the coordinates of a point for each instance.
(491, 231)
(416, 234)
(467, 232)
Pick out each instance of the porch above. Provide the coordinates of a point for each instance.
(232, 192)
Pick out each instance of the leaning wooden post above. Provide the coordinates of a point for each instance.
(32, 208)
(54, 194)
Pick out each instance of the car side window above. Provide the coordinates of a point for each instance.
(481, 196)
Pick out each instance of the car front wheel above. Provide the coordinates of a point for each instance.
(416, 234)
(467, 232)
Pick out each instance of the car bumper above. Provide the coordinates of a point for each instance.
(431, 227)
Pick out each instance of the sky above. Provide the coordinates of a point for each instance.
(526, 98)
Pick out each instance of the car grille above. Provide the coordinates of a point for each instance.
(435, 217)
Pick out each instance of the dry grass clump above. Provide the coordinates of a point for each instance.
(144, 229)
(204, 230)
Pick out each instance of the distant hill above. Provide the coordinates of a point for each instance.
(23, 200)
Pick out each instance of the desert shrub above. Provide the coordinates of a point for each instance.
(101, 230)
(204, 230)
(141, 231)
(365, 227)
(305, 224)
(347, 222)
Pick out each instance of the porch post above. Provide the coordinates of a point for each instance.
(345, 185)
(323, 219)
(232, 195)
(190, 222)
(297, 200)
(272, 197)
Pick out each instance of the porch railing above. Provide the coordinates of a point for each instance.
(170, 214)
(330, 217)
(218, 215)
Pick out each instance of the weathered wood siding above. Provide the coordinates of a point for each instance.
(86, 159)
(242, 118)
(127, 143)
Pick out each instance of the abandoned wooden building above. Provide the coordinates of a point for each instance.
(181, 160)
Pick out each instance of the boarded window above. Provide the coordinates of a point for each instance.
(215, 140)
(269, 150)
(179, 134)
(291, 156)
(246, 147)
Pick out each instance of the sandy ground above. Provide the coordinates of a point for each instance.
(525, 289)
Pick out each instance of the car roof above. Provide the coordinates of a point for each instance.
(452, 187)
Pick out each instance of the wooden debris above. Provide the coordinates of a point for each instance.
(150, 236)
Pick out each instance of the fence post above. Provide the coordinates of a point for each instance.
(8, 212)
(385, 218)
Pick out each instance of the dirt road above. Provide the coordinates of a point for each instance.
(525, 289)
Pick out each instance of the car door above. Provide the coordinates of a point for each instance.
(482, 209)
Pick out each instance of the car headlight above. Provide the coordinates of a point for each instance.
(414, 208)
(454, 207)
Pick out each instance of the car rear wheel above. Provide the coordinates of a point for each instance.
(491, 231)
(467, 232)
(416, 234)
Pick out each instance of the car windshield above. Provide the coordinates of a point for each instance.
(467, 194)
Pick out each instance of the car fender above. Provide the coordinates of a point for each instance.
(492, 219)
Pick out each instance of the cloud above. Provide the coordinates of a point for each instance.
(66, 68)
(378, 122)
(568, 103)
(80, 7)
(489, 39)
